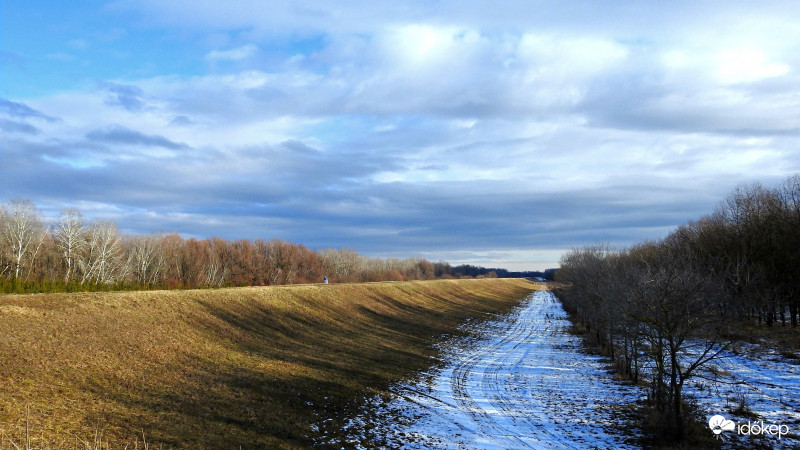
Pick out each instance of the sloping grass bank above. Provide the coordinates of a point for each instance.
(226, 368)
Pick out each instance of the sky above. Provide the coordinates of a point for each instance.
(492, 133)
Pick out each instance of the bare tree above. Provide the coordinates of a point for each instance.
(215, 270)
(6, 264)
(23, 233)
(101, 262)
(70, 236)
(146, 259)
(674, 304)
(344, 264)
(174, 249)
(657, 305)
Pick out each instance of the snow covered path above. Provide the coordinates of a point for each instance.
(524, 383)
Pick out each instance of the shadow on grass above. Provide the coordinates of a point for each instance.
(273, 369)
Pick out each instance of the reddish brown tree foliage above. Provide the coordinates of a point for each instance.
(76, 255)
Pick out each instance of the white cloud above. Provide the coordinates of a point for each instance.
(459, 128)
(415, 46)
(748, 64)
(553, 57)
(234, 54)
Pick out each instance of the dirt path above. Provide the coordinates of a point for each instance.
(524, 383)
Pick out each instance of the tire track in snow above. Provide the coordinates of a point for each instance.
(526, 383)
(486, 368)
(523, 384)
(503, 384)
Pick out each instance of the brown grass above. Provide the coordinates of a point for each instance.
(779, 336)
(226, 368)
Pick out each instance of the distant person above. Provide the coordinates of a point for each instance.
(325, 280)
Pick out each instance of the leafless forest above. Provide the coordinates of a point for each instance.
(664, 310)
(73, 254)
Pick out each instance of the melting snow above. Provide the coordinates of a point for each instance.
(526, 383)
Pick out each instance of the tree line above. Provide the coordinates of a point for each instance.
(664, 310)
(76, 254)
(468, 270)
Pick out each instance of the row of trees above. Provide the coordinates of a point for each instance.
(663, 310)
(76, 254)
(468, 270)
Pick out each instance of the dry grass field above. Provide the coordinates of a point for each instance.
(224, 368)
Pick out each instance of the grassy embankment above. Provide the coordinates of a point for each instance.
(249, 367)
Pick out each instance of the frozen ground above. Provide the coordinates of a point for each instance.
(767, 383)
(524, 382)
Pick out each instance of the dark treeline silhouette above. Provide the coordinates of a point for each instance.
(664, 310)
(73, 254)
(476, 271)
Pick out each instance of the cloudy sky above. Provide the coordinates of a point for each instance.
(495, 133)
